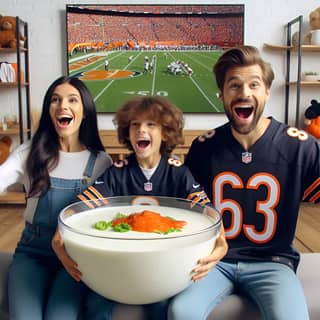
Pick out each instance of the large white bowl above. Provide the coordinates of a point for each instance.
(136, 267)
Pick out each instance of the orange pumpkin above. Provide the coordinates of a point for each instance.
(5, 144)
(314, 127)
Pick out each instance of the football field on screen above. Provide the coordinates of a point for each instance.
(125, 78)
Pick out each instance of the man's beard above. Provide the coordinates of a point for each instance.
(245, 128)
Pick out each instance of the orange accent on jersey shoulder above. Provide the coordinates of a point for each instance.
(175, 162)
(315, 197)
(296, 133)
(312, 187)
(207, 135)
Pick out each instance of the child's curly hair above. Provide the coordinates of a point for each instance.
(154, 108)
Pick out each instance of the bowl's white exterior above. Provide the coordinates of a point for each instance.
(145, 268)
(140, 277)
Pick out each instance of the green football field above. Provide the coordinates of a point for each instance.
(126, 78)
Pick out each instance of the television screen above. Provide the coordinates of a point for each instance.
(121, 51)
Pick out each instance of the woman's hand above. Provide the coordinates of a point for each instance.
(207, 263)
(70, 265)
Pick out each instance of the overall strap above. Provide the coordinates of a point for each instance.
(87, 174)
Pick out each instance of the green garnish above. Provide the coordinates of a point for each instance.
(120, 215)
(122, 227)
(102, 225)
(170, 230)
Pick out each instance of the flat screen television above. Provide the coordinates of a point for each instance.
(121, 51)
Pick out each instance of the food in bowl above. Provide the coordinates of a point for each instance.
(138, 267)
(144, 221)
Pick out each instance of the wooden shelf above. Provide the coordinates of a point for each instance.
(13, 198)
(276, 47)
(306, 83)
(307, 48)
(12, 50)
(11, 131)
(12, 84)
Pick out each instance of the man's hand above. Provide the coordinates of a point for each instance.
(207, 263)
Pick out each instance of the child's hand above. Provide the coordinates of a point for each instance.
(70, 265)
(207, 263)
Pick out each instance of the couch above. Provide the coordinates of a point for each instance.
(233, 308)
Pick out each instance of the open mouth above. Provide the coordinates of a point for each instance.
(64, 121)
(244, 113)
(142, 144)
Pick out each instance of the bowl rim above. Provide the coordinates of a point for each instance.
(211, 227)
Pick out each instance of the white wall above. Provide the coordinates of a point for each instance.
(264, 23)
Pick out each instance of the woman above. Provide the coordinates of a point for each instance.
(64, 157)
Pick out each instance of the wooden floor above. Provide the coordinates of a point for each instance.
(307, 234)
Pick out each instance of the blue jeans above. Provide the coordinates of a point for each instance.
(273, 287)
(34, 294)
(100, 308)
(38, 285)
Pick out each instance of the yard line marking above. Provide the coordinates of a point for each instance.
(135, 57)
(154, 77)
(103, 90)
(112, 56)
(191, 57)
(204, 95)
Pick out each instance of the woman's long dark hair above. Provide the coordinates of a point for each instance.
(44, 153)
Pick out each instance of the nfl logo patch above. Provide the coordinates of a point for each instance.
(148, 186)
(246, 157)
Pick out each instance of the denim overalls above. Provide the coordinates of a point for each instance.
(39, 285)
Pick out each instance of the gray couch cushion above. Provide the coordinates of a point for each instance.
(233, 308)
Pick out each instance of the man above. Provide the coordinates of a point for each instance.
(106, 65)
(146, 66)
(256, 171)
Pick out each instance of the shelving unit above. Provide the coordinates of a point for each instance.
(21, 54)
(22, 87)
(299, 50)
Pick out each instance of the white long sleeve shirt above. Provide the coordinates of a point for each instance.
(71, 166)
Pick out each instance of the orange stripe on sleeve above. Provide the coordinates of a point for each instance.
(311, 188)
(315, 197)
(85, 201)
(92, 197)
(98, 194)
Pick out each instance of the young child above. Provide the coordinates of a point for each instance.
(150, 127)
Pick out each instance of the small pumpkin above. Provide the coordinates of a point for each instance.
(312, 119)
(5, 144)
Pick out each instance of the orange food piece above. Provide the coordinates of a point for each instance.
(149, 221)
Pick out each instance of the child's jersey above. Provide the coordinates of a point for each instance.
(258, 192)
(125, 177)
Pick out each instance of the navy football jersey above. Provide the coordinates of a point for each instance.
(125, 177)
(258, 192)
